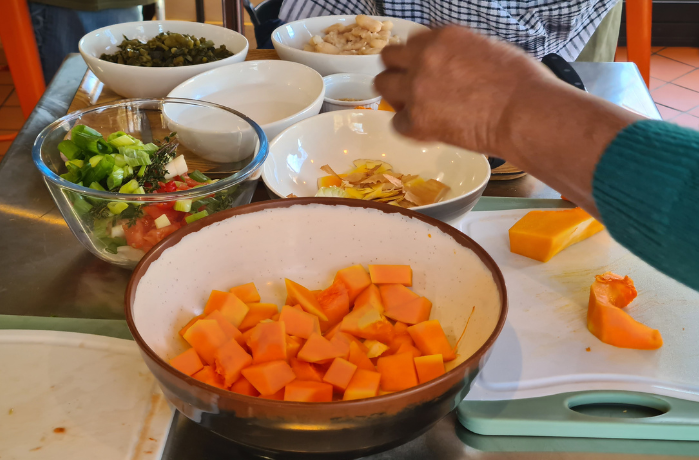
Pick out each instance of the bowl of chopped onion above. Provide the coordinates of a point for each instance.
(356, 154)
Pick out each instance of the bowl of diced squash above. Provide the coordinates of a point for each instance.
(316, 327)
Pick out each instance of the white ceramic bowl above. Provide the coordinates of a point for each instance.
(141, 82)
(289, 39)
(355, 86)
(275, 94)
(338, 138)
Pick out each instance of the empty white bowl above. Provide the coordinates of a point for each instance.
(145, 82)
(338, 138)
(275, 94)
(288, 40)
(355, 86)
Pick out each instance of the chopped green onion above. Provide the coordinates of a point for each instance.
(100, 171)
(129, 187)
(128, 171)
(183, 205)
(99, 228)
(69, 149)
(94, 161)
(139, 191)
(75, 163)
(196, 217)
(97, 186)
(116, 177)
(111, 244)
(121, 141)
(81, 206)
(83, 136)
(119, 160)
(135, 157)
(115, 134)
(142, 171)
(150, 148)
(198, 176)
(117, 207)
(180, 184)
(99, 147)
(162, 221)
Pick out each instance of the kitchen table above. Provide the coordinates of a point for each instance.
(46, 272)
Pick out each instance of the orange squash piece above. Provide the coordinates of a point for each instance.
(206, 336)
(188, 362)
(305, 371)
(329, 181)
(400, 328)
(364, 384)
(230, 359)
(210, 377)
(334, 301)
(406, 348)
(355, 279)
(243, 387)
(339, 374)
(268, 342)
(413, 312)
(270, 377)
(383, 105)
(305, 391)
(367, 323)
(359, 358)
(246, 337)
(230, 306)
(430, 339)
(305, 298)
(394, 295)
(609, 323)
(278, 396)
(342, 341)
(397, 372)
(257, 312)
(331, 333)
(299, 323)
(318, 349)
(399, 340)
(231, 331)
(540, 235)
(429, 367)
(189, 324)
(391, 274)
(293, 345)
(375, 348)
(246, 292)
(370, 296)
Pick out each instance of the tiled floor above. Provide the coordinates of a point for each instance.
(674, 85)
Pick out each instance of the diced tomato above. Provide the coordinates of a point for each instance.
(156, 235)
(188, 181)
(157, 210)
(134, 234)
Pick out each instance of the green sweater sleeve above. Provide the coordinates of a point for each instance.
(646, 188)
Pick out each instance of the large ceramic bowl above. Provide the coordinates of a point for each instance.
(131, 81)
(338, 138)
(276, 94)
(309, 240)
(288, 40)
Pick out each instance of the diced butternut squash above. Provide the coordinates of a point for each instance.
(230, 306)
(293, 345)
(318, 349)
(375, 348)
(188, 362)
(413, 312)
(299, 323)
(609, 323)
(339, 374)
(276, 316)
(391, 274)
(370, 296)
(394, 295)
(231, 331)
(400, 328)
(278, 396)
(243, 387)
(305, 391)
(329, 181)
(305, 371)
(429, 367)
(359, 358)
(367, 323)
(209, 376)
(270, 377)
(335, 303)
(258, 312)
(246, 292)
(230, 359)
(398, 340)
(189, 324)
(397, 372)
(246, 337)
(268, 342)
(406, 348)
(206, 336)
(305, 298)
(355, 279)
(430, 339)
(540, 235)
(364, 384)
(331, 333)
(342, 341)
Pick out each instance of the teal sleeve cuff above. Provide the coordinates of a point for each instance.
(646, 188)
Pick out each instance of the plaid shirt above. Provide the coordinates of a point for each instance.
(540, 27)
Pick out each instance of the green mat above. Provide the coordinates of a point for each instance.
(108, 327)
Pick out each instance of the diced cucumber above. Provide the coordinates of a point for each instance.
(162, 221)
(95, 160)
(196, 217)
(117, 207)
(183, 205)
(129, 187)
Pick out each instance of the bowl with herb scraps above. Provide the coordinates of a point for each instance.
(321, 238)
(123, 180)
(357, 154)
(150, 58)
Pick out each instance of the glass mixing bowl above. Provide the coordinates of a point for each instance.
(225, 146)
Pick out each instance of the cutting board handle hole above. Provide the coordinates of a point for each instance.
(618, 405)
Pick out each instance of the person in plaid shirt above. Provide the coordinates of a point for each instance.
(584, 30)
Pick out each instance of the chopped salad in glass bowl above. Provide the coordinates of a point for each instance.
(123, 180)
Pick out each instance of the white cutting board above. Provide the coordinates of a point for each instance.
(69, 396)
(542, 348)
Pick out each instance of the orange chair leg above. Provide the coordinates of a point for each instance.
(639, 19)
(17, 36)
